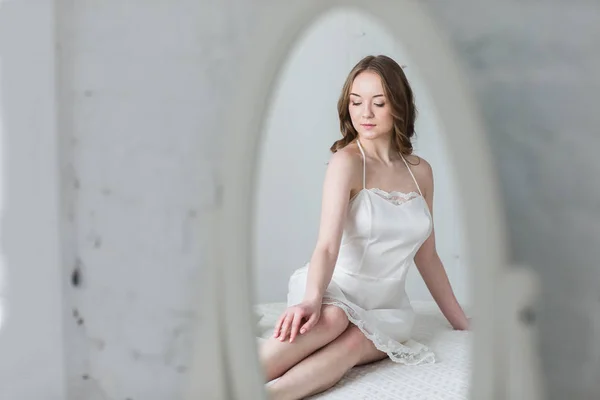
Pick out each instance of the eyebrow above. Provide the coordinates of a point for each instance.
(377, 95)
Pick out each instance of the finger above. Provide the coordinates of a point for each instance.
(278, 325)
(285, 327)
(295, 326)
(309, 324)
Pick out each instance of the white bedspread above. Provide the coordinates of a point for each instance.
(447, 379)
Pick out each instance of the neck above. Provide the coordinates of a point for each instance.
(380, 149)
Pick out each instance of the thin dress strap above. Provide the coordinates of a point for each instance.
(411, 174)
(364, 164)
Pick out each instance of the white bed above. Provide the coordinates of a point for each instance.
(447, 379)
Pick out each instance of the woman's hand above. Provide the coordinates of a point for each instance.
(299, 318)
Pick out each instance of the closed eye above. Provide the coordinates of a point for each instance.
(377, 105)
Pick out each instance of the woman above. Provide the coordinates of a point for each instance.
(348, 305)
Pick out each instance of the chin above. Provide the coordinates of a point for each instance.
(370, 135)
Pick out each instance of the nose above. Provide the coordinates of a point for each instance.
(367, 111)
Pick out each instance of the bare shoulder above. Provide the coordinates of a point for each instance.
(348, 158)
(422, 169)
(346, 163)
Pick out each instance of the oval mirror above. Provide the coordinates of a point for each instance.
(273, 207)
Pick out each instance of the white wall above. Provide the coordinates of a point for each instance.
(138, 139)
(303, 124)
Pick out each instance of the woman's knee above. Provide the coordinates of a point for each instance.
(333, 319)
(353, 340)
(348, 348)
(360, 349)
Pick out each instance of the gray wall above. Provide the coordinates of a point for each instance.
(534, 68)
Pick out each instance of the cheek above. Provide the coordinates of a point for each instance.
(385, 117)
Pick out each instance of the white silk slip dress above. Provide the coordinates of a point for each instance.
(381, 236)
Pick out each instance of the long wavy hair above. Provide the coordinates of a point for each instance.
(398, 93)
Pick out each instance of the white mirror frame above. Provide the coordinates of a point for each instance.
(229, 280)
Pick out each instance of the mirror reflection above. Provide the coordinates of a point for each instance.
(361, 288)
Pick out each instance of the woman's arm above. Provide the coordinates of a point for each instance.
(342, 171)
(430, 266)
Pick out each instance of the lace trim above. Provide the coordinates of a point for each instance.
(396, 351)
(396, 198)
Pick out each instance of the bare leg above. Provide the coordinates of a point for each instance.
(325, 367)
(277, 357)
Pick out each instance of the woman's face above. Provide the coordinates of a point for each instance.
(369, 108)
